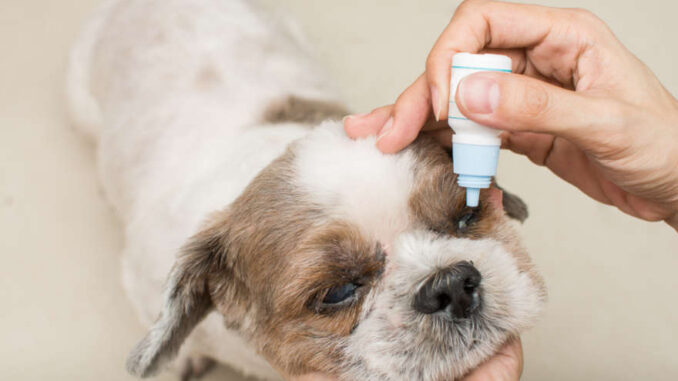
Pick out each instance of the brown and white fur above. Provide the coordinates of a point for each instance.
(207, 116)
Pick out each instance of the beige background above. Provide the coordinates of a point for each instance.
(613, 311)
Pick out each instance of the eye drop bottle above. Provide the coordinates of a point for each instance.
(475, 148)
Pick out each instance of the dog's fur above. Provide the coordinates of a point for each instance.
(207, 115)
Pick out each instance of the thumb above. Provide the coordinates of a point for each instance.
(515, 102)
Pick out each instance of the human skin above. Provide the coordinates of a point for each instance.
(577, 102)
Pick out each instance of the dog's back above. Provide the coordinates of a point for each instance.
(159, 81)
(177, 95)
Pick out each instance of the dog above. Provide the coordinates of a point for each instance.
(261, 235)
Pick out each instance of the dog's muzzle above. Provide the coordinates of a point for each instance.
(452, 292)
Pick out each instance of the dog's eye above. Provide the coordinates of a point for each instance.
(465, 221)
(340, 294)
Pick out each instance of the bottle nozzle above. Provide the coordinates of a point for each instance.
(472, 197)
(475, 165)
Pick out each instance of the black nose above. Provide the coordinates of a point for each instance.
(453, 291)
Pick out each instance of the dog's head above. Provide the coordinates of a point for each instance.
(342, 260)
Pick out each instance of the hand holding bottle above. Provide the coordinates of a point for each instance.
(581, 103)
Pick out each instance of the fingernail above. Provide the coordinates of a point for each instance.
(479, 94)
(357, 115)
(435, 102)
(354, 116)
(388, 126)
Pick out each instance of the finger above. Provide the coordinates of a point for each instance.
(572, 165)
(410, 112)
(477, 25)
(515, 102)
(522, 65)
(568, 162)
(563, 158)
(505, 365)
(635, 205)
(535, 146)
(361, 126)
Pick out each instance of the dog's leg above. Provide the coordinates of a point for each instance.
(195, 367)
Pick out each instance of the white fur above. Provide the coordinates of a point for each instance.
(353, 181)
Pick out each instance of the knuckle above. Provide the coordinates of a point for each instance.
(585, 17)
(589, 25)
(465, 5)
(472, 5)
(383, 110)
(437, 65)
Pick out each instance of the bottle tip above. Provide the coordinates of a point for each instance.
(472, 197)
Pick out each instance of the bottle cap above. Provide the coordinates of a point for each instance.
(481, 62)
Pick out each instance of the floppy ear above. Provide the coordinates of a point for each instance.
(186, 302)
(514, 206)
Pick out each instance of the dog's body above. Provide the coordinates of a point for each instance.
(175, 92)
(191, 102)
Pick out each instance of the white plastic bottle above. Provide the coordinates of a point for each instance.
(475, 148)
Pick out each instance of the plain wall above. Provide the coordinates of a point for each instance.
(612, 313)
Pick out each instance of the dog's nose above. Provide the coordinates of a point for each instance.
(453, 291)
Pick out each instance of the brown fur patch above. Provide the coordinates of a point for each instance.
(302, 110)
(307, 337)
(439, 203)
(277, 256)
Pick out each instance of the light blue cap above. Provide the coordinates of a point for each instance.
(475, 164)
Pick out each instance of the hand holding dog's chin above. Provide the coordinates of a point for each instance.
(505, 365)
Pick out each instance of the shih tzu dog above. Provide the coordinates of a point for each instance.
(282, 246)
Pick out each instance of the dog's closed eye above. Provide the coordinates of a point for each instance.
(337, 298)
(340, 294)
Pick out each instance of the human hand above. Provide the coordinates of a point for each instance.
(585, 107)
(505, 365)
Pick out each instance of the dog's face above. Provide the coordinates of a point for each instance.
(342, 260)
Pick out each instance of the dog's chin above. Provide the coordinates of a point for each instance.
(429, 348)
(461, 345)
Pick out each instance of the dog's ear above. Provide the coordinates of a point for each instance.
(514, 206)
(186, 301)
